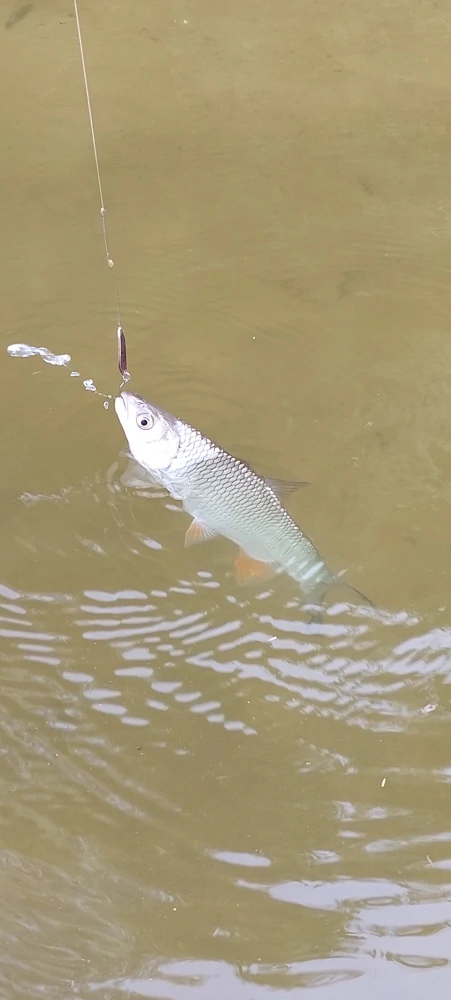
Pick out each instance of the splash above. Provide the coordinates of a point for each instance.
(58, 360)
(27, 351)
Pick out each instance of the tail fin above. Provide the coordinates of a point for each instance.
(342, 583)
(335, 581)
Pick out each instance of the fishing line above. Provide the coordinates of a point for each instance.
(121, 344)
(62, 360)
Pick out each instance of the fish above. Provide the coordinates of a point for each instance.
(225, 497)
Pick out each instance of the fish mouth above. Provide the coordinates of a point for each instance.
(120, 405)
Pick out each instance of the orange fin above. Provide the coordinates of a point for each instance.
(198, 532)
(283, 488)
(248, 569)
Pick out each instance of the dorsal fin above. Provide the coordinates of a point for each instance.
(283, 488)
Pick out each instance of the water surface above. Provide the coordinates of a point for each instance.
(204, 796)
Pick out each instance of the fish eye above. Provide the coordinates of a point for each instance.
(144, 420)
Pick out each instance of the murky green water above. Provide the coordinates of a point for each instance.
(203, 796)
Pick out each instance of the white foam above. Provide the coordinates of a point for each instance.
(27, 351)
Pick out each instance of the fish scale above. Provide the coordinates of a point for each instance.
(223, 495)
(244, 508)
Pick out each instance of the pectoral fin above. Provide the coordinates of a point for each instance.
(283, 488)
(248, 570)
(198, 532)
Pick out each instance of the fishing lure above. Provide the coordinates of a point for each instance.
(122, 354)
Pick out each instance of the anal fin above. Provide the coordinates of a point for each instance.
(248, 570)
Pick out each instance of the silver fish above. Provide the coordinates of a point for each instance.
(223, 495)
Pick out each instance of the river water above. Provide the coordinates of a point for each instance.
(203, 794)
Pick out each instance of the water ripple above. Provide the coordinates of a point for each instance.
(83, 674)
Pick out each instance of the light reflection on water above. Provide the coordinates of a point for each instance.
(203, 794)
(117, 732)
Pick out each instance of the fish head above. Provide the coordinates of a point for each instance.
(151, 433)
